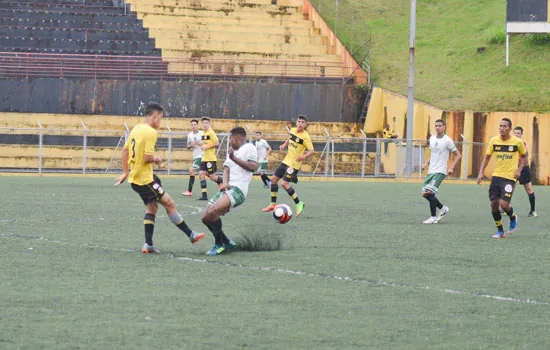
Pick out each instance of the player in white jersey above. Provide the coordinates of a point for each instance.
(238, 168)
(194, 142)
(263, 149)
(441, 147)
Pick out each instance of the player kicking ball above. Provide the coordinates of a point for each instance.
(441, 147)
(507, 149)
(238, 168)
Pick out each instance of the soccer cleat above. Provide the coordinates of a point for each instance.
(231, 245)
(430, 220)
(499, 234)
(195, 237)
(267, 185)
(215, 250)
(269, 208)
(444, 211)
(513, 225)
(149, 249)
(187, 193)
(202, 199)
(299, 208)
(532, 214)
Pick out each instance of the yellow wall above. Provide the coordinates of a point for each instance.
(386, 105)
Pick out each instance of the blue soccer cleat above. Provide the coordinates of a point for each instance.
(215, 250)
(499, 234)
(231, 245)
(513, 225)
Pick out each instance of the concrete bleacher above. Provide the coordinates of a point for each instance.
(72, 27)
(252, 37)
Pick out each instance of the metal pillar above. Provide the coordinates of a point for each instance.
(40, 143)
(410, 107)
(84, 146)
(169, 147)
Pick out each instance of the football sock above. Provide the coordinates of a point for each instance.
(216, 229)
(532, 201)
(498, 220)
(177, 220)
(219, 180)
(149, 223)
(292, 193)
(438, 203)
(510, 213)
(203, 188)
(274, 190)
(264, 179)
(433, 203)
(191, 183)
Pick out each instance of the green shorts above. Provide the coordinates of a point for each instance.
(262, 167)
(432, 183)
(235, 194)
(196, 163)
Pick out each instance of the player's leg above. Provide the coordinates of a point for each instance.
(218, 206)
(529, 189)
(168, 203)
(202, 178)
(189, 191)
(494, 197)
(507, 190)
(277, 175)
(292, 193)
(149, 225)
(430, 197)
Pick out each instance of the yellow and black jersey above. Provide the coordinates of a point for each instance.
(209, 138)
(387, 133)
(142, 141)
(507, 155)
(299, 142)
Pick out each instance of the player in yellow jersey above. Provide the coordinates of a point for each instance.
(137, 165)
(209, 159)
(507, 149)
(298, 142)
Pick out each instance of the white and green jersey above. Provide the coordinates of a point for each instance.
(238, 176)
(197, 151)
(261, 147)
(440, 149)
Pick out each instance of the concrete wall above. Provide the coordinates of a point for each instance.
(322, 102)
(389, 108)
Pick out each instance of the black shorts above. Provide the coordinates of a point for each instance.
(152, 192)
(525, 176)
(209, 167)
(286, 173)
(501, 188)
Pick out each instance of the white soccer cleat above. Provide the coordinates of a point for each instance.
(442, 212)
(430, 220)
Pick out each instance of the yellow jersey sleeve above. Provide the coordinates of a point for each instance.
(150, 144)
(490, 148)
(521, 148)
(308, 143)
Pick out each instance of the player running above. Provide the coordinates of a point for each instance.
(525, 177)
(264, 150)
(194, 142)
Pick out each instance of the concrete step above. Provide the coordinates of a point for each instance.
(168, 54)
(67, 15)
(161, 21)
(73, 33)
(267, 28)
(66, 7)
(213, 3)
(47, 43)
(72, 23)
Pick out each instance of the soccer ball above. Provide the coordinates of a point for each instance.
(282, 213)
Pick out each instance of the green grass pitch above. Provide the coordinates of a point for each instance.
(357, 270)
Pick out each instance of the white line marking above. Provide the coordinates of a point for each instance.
(295, 272)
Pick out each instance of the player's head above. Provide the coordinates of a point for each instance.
(301, 122)
(258, 135)
(153, 114)
(518, 131)
(440, 127)
(388, 126)
(194, 125)
(205, 123)
(237, 137)
(505, 127)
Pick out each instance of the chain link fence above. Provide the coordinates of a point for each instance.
(81, 150)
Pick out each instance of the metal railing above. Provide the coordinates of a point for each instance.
(89, 66)
(85, 150)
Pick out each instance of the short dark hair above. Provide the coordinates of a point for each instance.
(205, 118)
(194, 120)
(301, 116)
(508, 120)
(519, 128)
(258, 132)
(440, 121)
(153, 107)
(239, 130)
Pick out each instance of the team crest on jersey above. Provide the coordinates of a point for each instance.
(508, 188)
(209, 165)
(511, 148)
(289, 170)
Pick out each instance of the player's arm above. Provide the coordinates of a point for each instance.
(190, 143)
(150, 144)
(124, 158)
(225, 177)
(524, 160)
(248, 165)
(482, 169)
(456, 158)
(427, 164)
(151, 158)
(309, 147)
(284, 145)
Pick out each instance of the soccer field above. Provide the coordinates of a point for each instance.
(356, 270)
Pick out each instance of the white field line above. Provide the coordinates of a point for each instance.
(295, 272)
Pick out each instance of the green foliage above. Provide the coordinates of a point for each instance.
(497, 35)
(538, 39)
